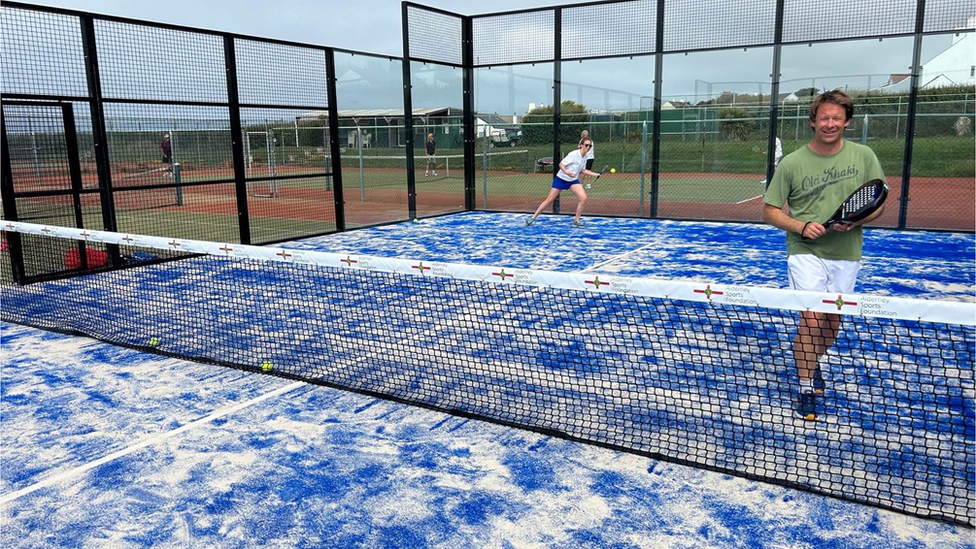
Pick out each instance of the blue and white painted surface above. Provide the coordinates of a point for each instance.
(109, 447)
(316, 467)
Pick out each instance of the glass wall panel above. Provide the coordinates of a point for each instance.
(437, 109)
(612, 100)
(714, 133)
(513, 124)
(880, 97)
(370, 109)
(943, 166)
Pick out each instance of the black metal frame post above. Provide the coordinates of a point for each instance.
(656, 117)
(408, 116)
(99, 134)
(467, 122)
(336, 164)
(237, 140)
(774, 92)
(74, 170)
(916, 68)
(10, 204)
(557, 94)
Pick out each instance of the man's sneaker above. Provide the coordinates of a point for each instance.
(579, 223)
(818, 382)
(806, 406)
(529, 221)
(435, 173)
(426, 174)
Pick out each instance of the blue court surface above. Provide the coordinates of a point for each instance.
(104, 446)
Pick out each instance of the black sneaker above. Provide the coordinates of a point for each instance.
(806, 406)
(818, 382)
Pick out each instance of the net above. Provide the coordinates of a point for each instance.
(689, 372)
(380, 170)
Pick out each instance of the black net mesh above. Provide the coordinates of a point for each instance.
(142, 62)
(609, 29)
(514, 38)
(944, 15)
(41, 53)
(690, 25)
(803, 20)
(277, 74)
(702, 377)
(434, 36)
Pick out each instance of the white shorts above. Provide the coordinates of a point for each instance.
(810, 273)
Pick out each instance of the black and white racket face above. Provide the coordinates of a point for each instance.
(861, 203)
(861, 198)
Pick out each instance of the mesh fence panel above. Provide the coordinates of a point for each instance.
(41, 53)
(943, 15)
(689, 24)
(514, 38)
(277, 74)
(802, 21)
(143, 62)
(434, 36)
(609, 29)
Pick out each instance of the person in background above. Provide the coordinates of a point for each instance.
(777, 156)
(813, 182)
(430, 147)
(167, 147)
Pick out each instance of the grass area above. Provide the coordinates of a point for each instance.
(933, 156)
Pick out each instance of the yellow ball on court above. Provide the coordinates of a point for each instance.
(153, 342)
(415, 220)
(613, 170)
(266, 366)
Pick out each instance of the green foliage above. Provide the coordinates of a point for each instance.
(733, 127)
(537, 124)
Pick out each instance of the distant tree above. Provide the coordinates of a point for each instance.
(733, 127)
(537, 124)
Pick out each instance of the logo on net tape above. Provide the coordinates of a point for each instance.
(840, 303)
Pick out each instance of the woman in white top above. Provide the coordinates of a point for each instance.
(567, 177)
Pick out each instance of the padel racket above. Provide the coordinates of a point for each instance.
(863, 202)
(603, 171)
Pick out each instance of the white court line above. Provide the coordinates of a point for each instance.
(616, 257)
(750, 199)
(217, 414)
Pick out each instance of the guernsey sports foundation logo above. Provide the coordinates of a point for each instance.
(840, 303)
(709, 292)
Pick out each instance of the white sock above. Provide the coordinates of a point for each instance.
(806, 386)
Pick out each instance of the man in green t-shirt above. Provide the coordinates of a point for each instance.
(810, 184)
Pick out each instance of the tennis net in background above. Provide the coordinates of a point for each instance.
(694, 373)
(449, 166)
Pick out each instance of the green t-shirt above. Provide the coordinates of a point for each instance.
(815, 186)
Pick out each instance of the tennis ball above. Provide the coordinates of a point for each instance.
(415, 220)
(153, 342)
(266, 366)
(613, 170)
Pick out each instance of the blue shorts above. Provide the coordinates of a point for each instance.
(562, 184)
